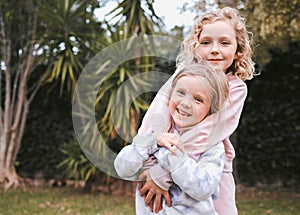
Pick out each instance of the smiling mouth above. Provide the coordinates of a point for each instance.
(182, 113)
(215, 60)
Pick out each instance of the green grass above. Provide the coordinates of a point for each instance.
(64, 201)
(262, 201)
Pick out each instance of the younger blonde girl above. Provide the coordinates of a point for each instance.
(196, 92)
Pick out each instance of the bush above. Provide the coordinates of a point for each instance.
(49, 124)
(268, 135)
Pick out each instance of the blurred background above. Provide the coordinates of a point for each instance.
(45, 45)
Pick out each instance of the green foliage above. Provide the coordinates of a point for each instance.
(134, 20)
(76, 165)
(70, 34)
(108, 91)
(274, 23)
(49, 124)
(269, 132)
(69, 41)
(138, 20)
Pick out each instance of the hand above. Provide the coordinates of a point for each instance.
(168, 140)
(152, 193)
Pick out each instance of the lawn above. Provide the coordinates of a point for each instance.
(63, 201)
(268, 201)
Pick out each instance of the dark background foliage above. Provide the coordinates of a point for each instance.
(49, 126)
(268, 135)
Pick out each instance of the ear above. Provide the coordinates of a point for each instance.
(235, 56)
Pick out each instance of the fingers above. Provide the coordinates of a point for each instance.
(148, 198)
(153, 195)
(151, 205)
(167, 198)
(168, 140)
(158, 203)
(141, 184)
(143, 189)
(142, 178)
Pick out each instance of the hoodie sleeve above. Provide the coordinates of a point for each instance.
(131, 158)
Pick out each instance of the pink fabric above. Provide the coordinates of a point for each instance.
(225, 203)
(212, 130)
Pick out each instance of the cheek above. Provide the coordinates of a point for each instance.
(203, 111)
(171, 106)
(200, 52)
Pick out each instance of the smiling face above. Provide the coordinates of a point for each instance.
(189, 103)
(217, 44)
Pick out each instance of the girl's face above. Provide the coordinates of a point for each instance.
(218, 44)
(189, 103)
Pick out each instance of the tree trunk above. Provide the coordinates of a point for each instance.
(9, 148)
(13, 116)
(10, 177)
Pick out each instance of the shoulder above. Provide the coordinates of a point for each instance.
(234, 79)
(236, 82)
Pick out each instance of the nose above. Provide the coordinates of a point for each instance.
(214, 48)
(186, 102)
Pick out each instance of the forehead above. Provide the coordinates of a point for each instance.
(221, 28)
(192, 83)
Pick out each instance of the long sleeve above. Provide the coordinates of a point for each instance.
(131, 158)
(199, 179)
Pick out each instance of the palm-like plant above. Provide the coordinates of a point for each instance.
(76, 165)
(133, 20)
(109, 94)
(113, 123)
(138, 20)
(70, 42)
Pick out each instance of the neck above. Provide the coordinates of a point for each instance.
(180, 130)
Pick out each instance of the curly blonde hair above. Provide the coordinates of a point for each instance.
(243, 66)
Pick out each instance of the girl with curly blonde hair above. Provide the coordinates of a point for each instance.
(219, 38)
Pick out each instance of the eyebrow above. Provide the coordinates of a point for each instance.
(201, 95)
